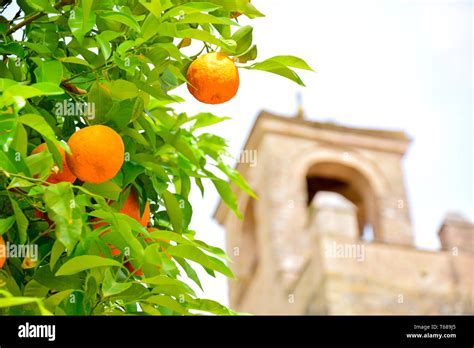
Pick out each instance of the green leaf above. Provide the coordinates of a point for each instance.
(86, 6)
(196, 255)
(6, 163)
(110, 287)
(251, 54)
(121, 232)
(34, 90)
(62, 209)
(100, 96)
(174, 211)
(12, 48)
(242, 6)
(20, 141)
(171, 30)
(205, 119)
(154, 6)
(39, 124)
(149, 28)
(48, 88)
(55, 300)
(168, 235)
(40, 164)
(214, 250)
(190, 272)
(227, 195)
(9, 127)
(74, 60)
(16, 301)
(243, 38)
(120, 17)
(122, 89)
(292, 61)
(6, 224)
(35, 289)
(167, 302)
(237, 179)
(154, 91)
(182, 146)
(84, 262)
(6, 83)
(56, 252)
(49, 71)
(210, 306)
(45, 277)
(21, 221)
(164, 280)
(108, 189)
(42, 6)
(203, 18)
(277, 68)
(191, 7)
(103, 40)
(79, 24)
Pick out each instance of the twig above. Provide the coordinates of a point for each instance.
(37, 15)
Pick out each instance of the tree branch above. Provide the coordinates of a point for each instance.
(37, 15)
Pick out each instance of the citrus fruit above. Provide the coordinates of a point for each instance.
(57, 176)
(132, 209)
(131, 269)
(213, 78)
(3, 252)
(97, 153)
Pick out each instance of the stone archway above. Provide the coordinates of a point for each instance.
(365, 184)
(349, 183)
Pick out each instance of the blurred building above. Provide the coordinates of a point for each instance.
(331, 232)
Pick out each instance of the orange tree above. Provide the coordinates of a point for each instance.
(95, 165)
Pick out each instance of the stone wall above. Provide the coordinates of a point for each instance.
(290, 264)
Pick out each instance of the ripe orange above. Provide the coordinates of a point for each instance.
(97, 153)
(213, 78)
(3, 252)
(57, 176)
(131, 269)
(235, 14)
(113, 250)
(132, 209)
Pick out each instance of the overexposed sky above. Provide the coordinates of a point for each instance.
(390, 64)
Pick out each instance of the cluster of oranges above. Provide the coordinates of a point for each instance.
(97, 152)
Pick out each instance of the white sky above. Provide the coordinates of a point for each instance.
(391, 64)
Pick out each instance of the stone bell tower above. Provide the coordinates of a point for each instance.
(302, 247)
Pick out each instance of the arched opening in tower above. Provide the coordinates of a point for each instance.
(350, 184)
